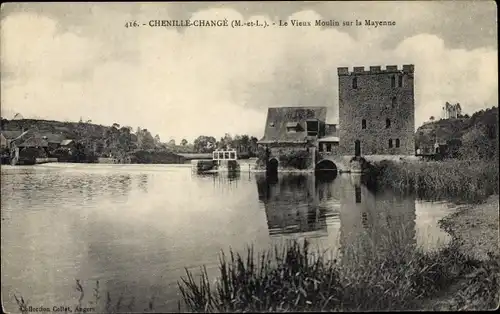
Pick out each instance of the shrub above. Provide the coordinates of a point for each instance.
(297, 159)
(473, 180)
(294, 279)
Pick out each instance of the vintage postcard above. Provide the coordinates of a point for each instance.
(249, 156)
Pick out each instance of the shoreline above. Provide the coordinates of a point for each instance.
(475, 229)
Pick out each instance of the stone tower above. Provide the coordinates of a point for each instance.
(376, 111)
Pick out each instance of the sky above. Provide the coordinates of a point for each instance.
(66, 61)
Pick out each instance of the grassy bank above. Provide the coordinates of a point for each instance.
(293, 279)
(466, 180)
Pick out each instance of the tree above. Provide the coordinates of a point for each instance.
(431, 118)
(157, 140)
(144, 139)
(171, 142)
(477, 145)
(184, 142)
(204, 144)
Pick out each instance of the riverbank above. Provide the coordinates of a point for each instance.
(475, 231)
(462, 276)
(476, 228)
(460, 180)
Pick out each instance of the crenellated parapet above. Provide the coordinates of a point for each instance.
(406, 68)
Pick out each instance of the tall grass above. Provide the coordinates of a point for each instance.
(293, 279)
(471, 180)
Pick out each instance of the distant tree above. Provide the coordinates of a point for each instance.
(204, 144)
(253, 144)
(184, 142)
(477, 145)
(144, 139)
(431, 118)
(171, 142)
(157, 140)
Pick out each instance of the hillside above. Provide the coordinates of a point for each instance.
(481, 128)
(92, 140)
(70, 130)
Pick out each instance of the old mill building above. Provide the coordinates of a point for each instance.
(376, 121)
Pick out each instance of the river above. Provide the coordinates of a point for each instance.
(135, 227)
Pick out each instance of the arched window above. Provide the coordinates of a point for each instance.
(393, 103)
(393, 81)
(387, 123)
(397, 142)
(400, 81)
(355, 83)
(363, 124)
(390, 143)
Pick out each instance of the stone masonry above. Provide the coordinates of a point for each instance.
(384, 99)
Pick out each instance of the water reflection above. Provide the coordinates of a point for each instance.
(375, 224)
(292, 203)
(142, 182)
(367, 222)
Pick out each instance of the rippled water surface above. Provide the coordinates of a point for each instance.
(135, 227)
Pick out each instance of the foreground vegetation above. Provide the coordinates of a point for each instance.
(296, 280)
(462, 179)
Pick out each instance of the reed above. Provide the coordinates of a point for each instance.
(293, 279)
(465, 180)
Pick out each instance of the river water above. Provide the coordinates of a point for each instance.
(135, 227)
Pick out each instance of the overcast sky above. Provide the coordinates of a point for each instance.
(63, 61)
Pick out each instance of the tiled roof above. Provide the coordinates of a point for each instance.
(66, 142)
(11, 134)
(34, 142)
(279, 118)
(53, 138)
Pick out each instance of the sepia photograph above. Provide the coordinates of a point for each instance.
(281, 156)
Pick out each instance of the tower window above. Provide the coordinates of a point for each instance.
(390, 143)
(328, 147)
(387, 123)
(355, 83)
(363, 124)
(393, 81)
(400, 81)
(393, 104)
(397, 142)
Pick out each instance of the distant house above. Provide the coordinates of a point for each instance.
(70, 144)
(53, 140)
(452, 111)
(34, 142)
(438, 147)
(6, 137)
(26, 150)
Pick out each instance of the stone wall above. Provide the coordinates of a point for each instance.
(372, 101)
(284, 153)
